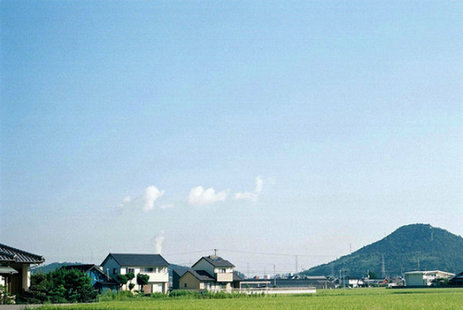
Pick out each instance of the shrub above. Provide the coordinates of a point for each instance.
(60, 286)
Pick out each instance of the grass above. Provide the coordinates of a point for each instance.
(375, 298)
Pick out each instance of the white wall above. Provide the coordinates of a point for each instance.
(159, 274)
(219, 270)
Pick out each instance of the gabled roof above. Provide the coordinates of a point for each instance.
(201, 275)
(216, 261)
(85, 268)
(132, 260)
(10, 254)
(236, 276)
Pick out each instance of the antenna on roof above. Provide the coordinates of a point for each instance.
(215, 252)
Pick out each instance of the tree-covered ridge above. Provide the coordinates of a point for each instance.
(411, 247)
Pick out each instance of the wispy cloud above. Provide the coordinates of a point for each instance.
(127, 200)
(200, 196)
(158, 241)
(152, 193)
(251, 196)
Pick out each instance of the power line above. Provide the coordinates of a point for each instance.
(186, 253)
(276, 254)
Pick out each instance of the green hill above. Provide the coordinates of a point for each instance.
(50, 267)
(411, 247)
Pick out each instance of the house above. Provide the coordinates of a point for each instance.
(211, 273)
(425, 278)
(100, 281)
(14, 268)
(457, 280)
(153, 265)
(318, 282)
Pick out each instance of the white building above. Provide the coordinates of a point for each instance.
(425, 278)
(153, 265)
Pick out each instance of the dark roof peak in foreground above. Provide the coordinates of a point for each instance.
(145, 260)
(216, 261)
(201, 275)
(10, 254)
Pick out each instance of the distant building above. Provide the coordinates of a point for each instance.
(100, 281)
(457, 280)
(153, 265)
(211, 273)
(425, 278)
(14, 268)
(318, 282)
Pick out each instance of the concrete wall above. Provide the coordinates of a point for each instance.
(224, 277)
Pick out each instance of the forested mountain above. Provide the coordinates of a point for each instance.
(411, 247)
(50, 267)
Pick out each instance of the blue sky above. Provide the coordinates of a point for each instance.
(317, 126)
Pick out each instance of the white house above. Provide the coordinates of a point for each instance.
(153, 265)
(424, 278)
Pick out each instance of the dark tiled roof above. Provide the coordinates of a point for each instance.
(201, 275)
(236, 276)
(145, 260)
(216, 261)
(9, 254)
(180, 271)
(87, 267)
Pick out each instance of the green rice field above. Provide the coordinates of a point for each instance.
(364, 298)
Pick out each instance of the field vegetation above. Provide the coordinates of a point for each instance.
(364, 298)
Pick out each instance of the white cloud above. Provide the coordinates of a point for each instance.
(152, 193)
(252, 196)
(166, 206)
(199, 196)
(157, 241)
(125, 201)
(259, 185)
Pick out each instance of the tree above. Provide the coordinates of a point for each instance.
(122, 279)
(59, 286)
(372, 275)
(130, 277)
(142, 279)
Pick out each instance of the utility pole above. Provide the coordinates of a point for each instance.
(297, 269)
(274, 276)
(383, 267)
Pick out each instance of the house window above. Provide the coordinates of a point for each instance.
(131, 270)
(184, 284)
(148, 269)
(114, 270)
(224, 270)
